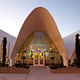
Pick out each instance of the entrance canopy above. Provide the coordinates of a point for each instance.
(40, 20)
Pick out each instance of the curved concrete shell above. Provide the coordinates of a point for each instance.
(69, 42)
(0, 50)
(10, 42)
(40, 20)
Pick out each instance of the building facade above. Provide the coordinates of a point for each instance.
(39, 37)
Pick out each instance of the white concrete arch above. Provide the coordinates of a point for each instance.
(40, 20)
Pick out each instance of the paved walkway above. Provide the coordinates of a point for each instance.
(39, 73)
(43, 73)
(13, 76)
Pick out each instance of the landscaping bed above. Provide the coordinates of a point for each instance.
(67, 70)
(13, 70)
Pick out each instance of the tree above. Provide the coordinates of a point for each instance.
(77, 47)
(4, 50)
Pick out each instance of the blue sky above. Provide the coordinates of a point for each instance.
(66, 14)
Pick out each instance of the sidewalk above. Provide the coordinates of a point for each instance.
(39, 73)
(43, 73)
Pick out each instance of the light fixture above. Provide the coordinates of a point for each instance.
(50, 49)
(38, 48)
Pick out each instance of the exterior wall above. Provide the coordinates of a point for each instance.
(10, 41)
(69, 42)
(0, 50)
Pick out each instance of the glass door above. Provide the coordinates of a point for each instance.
(39, 59)
(36, 59)
(42, 59)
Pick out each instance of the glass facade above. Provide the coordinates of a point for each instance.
(38, 42)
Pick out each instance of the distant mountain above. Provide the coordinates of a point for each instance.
(69, 42)
(10, 41)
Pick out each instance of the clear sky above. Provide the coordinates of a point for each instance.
(66, 14)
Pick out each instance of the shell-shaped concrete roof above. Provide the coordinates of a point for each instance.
(40, 20)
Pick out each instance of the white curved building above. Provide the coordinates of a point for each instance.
(10, 42)
(40, 20)
(39, 37)
(69, 42)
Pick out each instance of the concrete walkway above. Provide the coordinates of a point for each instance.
(13, 76)
(39, 73)
(43, 73)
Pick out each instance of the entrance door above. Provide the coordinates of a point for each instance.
(39, 59)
